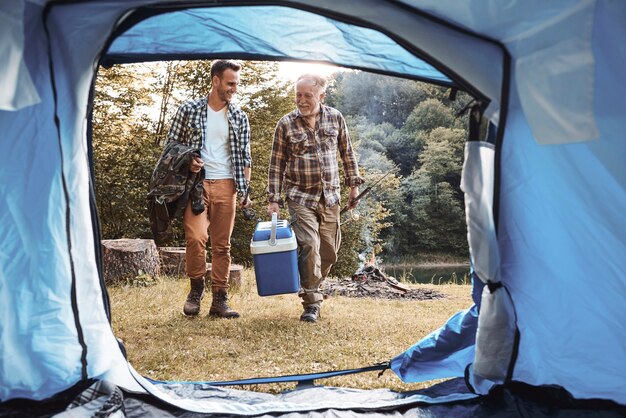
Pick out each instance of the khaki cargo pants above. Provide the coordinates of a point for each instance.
(318, 235)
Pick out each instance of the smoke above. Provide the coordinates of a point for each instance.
(367, 257)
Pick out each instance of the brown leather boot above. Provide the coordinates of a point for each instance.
(311, 313)
(192, 304)
(220, 307)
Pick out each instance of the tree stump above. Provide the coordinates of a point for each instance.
(173, 264)
(172, 261)
(234, 280)
(129, 258)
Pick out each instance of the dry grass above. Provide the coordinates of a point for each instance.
(269, 339)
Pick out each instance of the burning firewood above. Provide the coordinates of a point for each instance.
(371, 272)
(369, 281)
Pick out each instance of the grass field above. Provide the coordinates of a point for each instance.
(269, 339)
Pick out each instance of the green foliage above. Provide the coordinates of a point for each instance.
(435, 214)
(433, 208)
(361, 228)
(123, 153)
(428, 115)
(426, 147)
(378, 98)
(404, 147)
(442, 159)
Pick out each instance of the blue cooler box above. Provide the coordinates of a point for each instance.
(273, 248)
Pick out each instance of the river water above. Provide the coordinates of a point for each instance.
(434, 274)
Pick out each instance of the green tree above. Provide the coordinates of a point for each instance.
(407, 131)
(379, 98)
(403, 148)
(436, 216)
(433, 203)
(431, 114)
(442, 158)
(123, 151)
(361, 229)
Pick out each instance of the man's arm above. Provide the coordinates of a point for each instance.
(244, 134)
(177, 128)
(350, 165)
(245, 201)
(352, 198)
(178, 133)
(348, 158)
(247, 154)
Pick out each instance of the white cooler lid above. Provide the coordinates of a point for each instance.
(282, 244)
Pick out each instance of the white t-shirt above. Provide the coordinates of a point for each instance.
(216, 149)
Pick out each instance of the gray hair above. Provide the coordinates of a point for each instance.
(316, 79)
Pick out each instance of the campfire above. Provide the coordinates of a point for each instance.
(370, 281)
(371, 273)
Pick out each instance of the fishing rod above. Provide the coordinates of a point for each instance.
(365, 192)
(361, 195)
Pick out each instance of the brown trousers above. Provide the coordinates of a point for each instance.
(217, 221)
(318, 235)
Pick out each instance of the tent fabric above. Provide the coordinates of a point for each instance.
(574, 222)
(481, 60)
(556, 37)
(102, 398)
(235, 401)
(549, 76)
(443, 353)
(477, 183)
(447, 351)
(565, 237)
(496, 329)
(226, 31)
(495, 339)
(15, 82)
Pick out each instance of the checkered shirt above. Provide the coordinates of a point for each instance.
(188, 127)
(304, 160)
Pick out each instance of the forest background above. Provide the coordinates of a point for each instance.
(407, 128)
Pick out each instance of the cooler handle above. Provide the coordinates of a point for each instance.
(274, 225)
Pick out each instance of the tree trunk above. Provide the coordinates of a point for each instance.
(172, 261)
(173, 264)
(124, 259)
(234, 279)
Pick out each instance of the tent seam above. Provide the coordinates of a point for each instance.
(57, 123)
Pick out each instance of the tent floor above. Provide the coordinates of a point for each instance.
(517, 400)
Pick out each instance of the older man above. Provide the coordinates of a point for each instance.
(305, 167)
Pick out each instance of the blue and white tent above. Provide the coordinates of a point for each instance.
(545, 200)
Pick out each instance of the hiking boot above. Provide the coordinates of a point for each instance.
(310, 314)
(220, 307)
(192, 304)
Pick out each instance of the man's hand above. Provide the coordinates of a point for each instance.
(352, 202)
(271, 208)
(196, 164)
(245, 202)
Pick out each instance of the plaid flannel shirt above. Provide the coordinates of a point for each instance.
(188, 127)
(304, 160)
